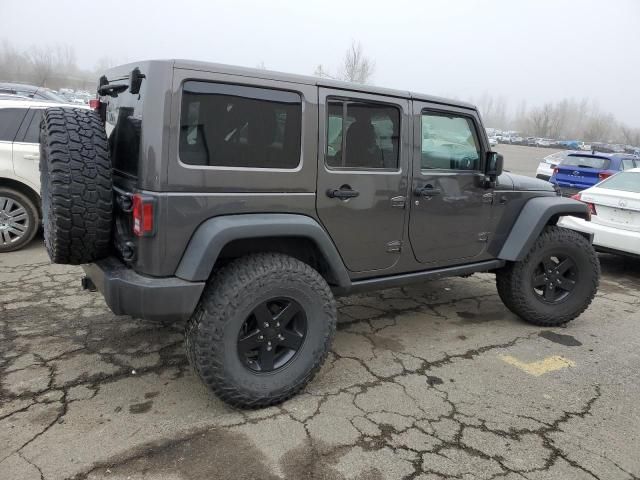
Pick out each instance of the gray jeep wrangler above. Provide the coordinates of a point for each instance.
(244, 200)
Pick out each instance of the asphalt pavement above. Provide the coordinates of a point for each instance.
(432, 381)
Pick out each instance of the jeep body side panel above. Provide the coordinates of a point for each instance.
(212, 236)
(534, 216)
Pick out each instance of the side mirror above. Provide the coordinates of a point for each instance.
(495, 162)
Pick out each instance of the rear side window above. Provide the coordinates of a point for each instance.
(586, 162)
(628, 163)
(32, 134)
(224, 125)
(362, 135)
(10, 120)
(449, 142)
(626, 181)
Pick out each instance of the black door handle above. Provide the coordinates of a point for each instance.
(427, 191)
(342, 193)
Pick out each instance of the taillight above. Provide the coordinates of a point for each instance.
(94, 104)
(590, 206)
(603, 175)
(555, 170)
(142, 215)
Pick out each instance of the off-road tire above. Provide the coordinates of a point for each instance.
(231, 293)
(76, 183)
(515, 284)
(32, 218)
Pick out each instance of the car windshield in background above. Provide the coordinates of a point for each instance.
(625, 181)
(556, 157)
(49, 95)
(586, 162)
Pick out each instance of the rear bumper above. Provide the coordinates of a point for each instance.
(606, 238)
(129, 293)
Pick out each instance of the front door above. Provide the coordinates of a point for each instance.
(450, 205)
(362, 176)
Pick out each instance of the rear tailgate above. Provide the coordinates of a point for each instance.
(580, 172)
(615, 208)
(576, 177)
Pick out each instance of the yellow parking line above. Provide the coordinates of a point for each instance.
(549, 364)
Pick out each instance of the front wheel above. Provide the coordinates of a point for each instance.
(262, 329)
(555, 282)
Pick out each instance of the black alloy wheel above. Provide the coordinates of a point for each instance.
(554, 278)
(272, 335)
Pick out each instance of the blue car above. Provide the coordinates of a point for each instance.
(582, 170)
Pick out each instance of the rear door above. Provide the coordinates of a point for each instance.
(10, 121)
(362, 176)
(450, 205)
(26, 148)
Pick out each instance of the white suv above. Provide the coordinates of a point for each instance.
(19, 172)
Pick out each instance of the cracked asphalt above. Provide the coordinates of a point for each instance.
(436, 380)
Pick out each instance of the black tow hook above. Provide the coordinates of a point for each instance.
(87, 284)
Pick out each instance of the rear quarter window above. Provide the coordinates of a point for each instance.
(225, 125)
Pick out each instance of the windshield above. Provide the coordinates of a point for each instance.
(586, 162)
(625, 181)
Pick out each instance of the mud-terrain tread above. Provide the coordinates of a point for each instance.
(76, 183)
(223, 293)
(511, 282)
(32, 212)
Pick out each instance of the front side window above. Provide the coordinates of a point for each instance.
(226, 125)
(449, 142)
(362, 135)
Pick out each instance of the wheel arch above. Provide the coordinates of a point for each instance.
(536, 214)
(223, 238)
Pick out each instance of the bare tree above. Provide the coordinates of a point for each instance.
(42, 64)
(356, 66)
(630, 136)
(322, 72)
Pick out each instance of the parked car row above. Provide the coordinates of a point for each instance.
(64, 95)
(610, 184)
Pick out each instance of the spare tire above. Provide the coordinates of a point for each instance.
(76, 184)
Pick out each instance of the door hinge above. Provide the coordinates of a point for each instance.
(394, 246)
(483, 237)
(398, 201)
(487, 197)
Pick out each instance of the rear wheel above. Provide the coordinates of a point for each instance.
(262, 329)
(19, 221)
(555, 282)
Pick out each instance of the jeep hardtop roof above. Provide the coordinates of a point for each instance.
(197, 66)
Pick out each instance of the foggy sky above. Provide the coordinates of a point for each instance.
(537, 50)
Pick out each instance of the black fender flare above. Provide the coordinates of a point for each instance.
(212, 235)
(534, 216)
